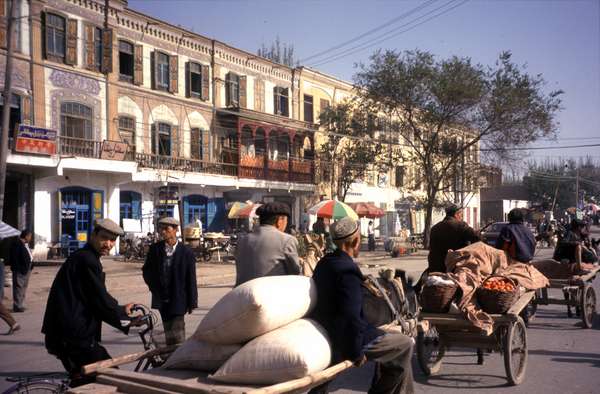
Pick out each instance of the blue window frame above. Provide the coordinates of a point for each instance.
(130, 205)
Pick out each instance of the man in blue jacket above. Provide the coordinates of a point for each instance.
(339, 311)
(516, 239)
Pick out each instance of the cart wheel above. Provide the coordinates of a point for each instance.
(515, 352)
(588, 305)
(430, 351)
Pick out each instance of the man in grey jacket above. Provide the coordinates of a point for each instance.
(267, 251)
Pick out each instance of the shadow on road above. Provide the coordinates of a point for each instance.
(570, 357)
(463, 381)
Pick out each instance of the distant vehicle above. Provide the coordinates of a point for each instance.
(490, 234)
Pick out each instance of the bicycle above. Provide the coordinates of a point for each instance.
(58, 383)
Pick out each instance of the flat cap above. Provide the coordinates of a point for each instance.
(109, 225)
(168, 221)
(273, 209)
(452, 209)
(343, 228)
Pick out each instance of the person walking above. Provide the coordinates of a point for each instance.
(371, 235)
(339, 309)
(9, 319)
(267, 250)
(21, 263)
(170, 273)
(79, 302)
(449, 234)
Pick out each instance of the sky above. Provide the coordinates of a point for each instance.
(559, 39)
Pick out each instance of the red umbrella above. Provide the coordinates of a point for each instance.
(367, 210)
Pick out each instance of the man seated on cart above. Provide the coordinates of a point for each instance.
(572, 246)
(339, 311)
(516, 239)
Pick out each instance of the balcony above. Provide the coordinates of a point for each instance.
(79, 147)
(184, 164)
(292, 170)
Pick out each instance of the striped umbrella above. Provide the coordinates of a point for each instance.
(7, 231)
(332, 209)
(367, 210)
(235, 209)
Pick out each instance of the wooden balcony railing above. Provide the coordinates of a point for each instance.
(184, 164)
(80, 147)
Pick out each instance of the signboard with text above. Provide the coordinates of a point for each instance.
(113, 150)
(31, 139)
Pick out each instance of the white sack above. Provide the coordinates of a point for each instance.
(257, 307)
(200, 355)
(290, 352)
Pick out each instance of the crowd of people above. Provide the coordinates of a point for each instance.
(79, 301)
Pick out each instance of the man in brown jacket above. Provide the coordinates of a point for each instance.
(450, 233)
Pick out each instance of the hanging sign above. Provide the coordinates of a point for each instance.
(36, 140)
(113, 150)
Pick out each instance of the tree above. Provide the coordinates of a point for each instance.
(278, 53)
(350, 150)
(444, 110)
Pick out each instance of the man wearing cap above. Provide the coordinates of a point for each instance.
(267, 251)
(79, 302)
(451, 233)
(339, 311)
(516, 239)
(170, 273)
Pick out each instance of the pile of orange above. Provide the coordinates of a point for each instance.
(499, 284)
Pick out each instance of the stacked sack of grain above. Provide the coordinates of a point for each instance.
(257, 334)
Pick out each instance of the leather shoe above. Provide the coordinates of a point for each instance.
(15, 327)
(18, 310)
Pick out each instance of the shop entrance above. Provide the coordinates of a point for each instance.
(79, 208)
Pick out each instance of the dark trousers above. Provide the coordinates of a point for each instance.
(392, 354)
(20, 283)
(74, 357)
(371, 242)
(2, 278)
(174, 329)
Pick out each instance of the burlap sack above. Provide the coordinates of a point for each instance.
(200, 355)
(290, 352)
(257, 307)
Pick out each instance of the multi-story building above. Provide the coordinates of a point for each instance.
(125, 116)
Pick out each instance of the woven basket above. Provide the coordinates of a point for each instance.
(496, 302)
(437, 299)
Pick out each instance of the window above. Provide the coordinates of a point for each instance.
(55, 36)
(162, 71)
(399, 176)
(308, 108)
(232, 90)
(130, 205)
(98, 48)
(76, 121)
(280, 96)
(125, 61)
(196, 146)
(195, 80)
(16, 115)
(127, 131)
(161, 139)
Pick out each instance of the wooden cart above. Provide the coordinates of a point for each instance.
(440, 331)
(577, 292)
(154, 381)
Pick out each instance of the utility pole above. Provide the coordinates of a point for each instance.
(7, 95)
(577, 188)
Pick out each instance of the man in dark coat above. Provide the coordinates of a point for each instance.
(170, 273)
(21, 261)
(516, 239)
(450, 233)
(79, 302)
(339, 311)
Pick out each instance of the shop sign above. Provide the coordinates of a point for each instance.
(68, 214)
(113, 150)
(168, 195)
(36, 140)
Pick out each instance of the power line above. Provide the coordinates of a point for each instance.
(390, 34)
(373, 30)
(537, 148)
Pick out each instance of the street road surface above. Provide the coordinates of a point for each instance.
(563, 357)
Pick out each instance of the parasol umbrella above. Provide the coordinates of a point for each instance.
(7, 231)
(592, 207)
(235, 208)
(248, 211)
(332, 209)
(367, 210)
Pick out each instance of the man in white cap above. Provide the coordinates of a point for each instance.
(339, 311)
(79, 302)
(170, 273)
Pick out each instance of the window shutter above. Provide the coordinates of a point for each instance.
(107, 51)
(26, 109)
(71, 54)
(175, 141)
(90, 53)
(188, 80)
(205, 83)
(205, 145)
(154, 147)
(259, 95)
(228, 92)
(173, 73)
(138, 65)
(3, 23)
(242, 91)
(154, 69)
(276, 102)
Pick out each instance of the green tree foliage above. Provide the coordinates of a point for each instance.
(443, 109)
(351, 149)
(278, 53)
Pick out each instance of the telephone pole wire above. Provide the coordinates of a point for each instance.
(7, 95)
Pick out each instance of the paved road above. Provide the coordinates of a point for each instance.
(563, 357)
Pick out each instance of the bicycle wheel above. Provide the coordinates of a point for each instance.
(37, 388)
